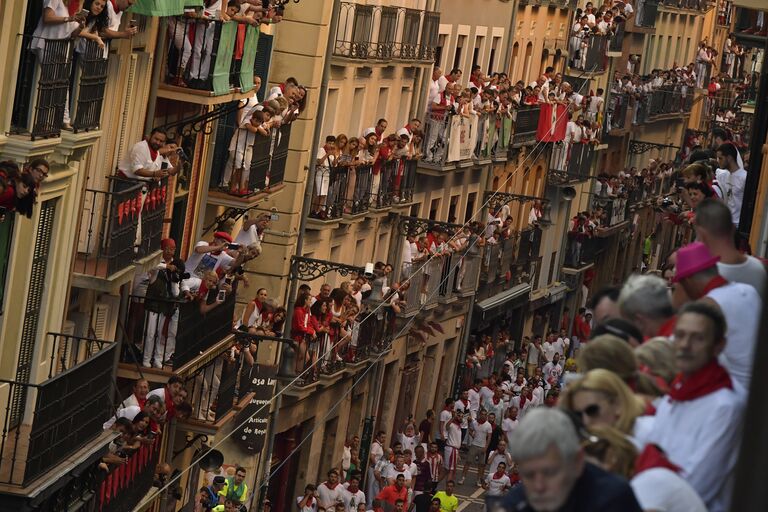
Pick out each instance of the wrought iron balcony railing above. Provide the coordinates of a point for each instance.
(618, 106)
(384, 33)
(592, 57)
(616, 39)
(699, 6)
(645, 14)
(256, 166)
(44, 423)
(570, 162)
(582, 249)
(120, 226)
(205, 54)
(526, 124)
(41, 99)
(172, 333)
(353, 189)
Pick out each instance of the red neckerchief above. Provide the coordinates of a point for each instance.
(259, 305)
(152, 152)
(523, 398)
(497, 475)
(705, 381)
(141, 401)
(170, 407)
(652, 457)
(495, 400)
(715, 282)
(465, 402)
(329, 485)
(114, 6)
(477, 390)
(457, 422)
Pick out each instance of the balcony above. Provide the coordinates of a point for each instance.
(582, 250)
(616, 122)
(494, 135)
(187, 336)
(663, 103)
(126, 485)
(203, 58)
(353, 190)
(46, 99)
(570, 163)
(616, 214)
(119, 227)
(732, 107)
(265, 159)
(616, 40)
(593, 58)
(562, 4)
(44, 424)
(384, 34)
(526, 125)
(690, 6)
(644, 20)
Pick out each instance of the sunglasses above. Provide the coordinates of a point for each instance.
(590, 410)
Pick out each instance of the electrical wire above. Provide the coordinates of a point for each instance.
(370, 313)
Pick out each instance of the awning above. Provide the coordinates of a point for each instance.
(492, 306)
(163, 7)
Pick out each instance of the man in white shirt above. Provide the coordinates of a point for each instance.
(715, 230)
(696, 273)
(329, 492)
(553, 371)
(452, 432)
(698, 425)
(352, 496)
(480, 433)
(564, 342)
(139, 396)
(434, 85)
(445, 417)
(732, 178)
(497, 482)
(451, 78)
(150, 159)
(509, 424)
(499, 455)
(210, 256)
(473, 394)
(398, 468)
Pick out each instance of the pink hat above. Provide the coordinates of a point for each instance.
(692, 259)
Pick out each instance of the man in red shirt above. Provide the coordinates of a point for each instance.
(392, 493)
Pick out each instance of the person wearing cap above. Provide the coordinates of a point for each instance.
(211, 494)
(211, 256)
(165, 287)
(697, 274)
(698, 424)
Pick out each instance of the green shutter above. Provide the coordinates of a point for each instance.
(6, 234)
(163, 7)
(249, 58)
(223, 57)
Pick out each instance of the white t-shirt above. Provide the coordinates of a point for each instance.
(445, 417)
(733, 184)
(459, 406)
(482, 431)
(328, 497)
(434, 90)
(663, 490)
(548, 350)
(312, 507)
(391, 472)
(552, 373)
(497, 486)
(139, 157)
(377, 451)
(249, 236)
(454, 435)
(129, 412)
(199, 263)
(486, 394)
(351, 499)
(408, 442)
(45, 31)
(474, 401)
(508, 426)
(752, 272)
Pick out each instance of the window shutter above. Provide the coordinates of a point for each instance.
(34, 303)
(6, 238)
(261, 65)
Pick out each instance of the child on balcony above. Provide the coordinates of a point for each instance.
(241, 148)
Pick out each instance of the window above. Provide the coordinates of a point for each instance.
(37, 285)
(439, 50)
(360, 256)
(410, 34)
(479, 41)
(263, 58)
(429, 39)
(387, 30)
(381, 105)
(6, 234)
(492, 57)
(405, 103)
(452, 208)
(434, 209)
(457, 55)
(415, 210)
(357, 111)
(552, 265)
(361, 31)
(470, 210)
(329, 120)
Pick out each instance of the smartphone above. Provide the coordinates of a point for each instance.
(132, 24)
(221, 296)
(85, 12)
(233, 247)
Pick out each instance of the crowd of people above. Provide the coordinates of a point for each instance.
(375, 169)
(19, 186)
(606, 21)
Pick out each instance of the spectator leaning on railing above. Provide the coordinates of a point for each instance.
(151, 158)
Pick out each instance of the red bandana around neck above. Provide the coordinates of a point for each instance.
(497, 475)
(715, 282)
(114, 5)
(652, 457)
(152, 152)
(709, 379)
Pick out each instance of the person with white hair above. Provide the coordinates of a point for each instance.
(645, 301)
(551, 461)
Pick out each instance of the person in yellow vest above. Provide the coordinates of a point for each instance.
(229, 505)
(235, 488)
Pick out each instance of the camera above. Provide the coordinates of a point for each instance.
(368, 272)
(182, 154)
(177, 277)
(233, 247)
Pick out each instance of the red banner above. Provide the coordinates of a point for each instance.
(552, 122)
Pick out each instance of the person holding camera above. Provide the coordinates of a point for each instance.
(212, 256)
(166, 286)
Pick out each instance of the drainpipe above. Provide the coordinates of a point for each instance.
(157, 71)
(510, 38)
(306, 205)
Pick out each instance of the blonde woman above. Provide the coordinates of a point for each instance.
(600, 397)
(657, 357)
(614, 354)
